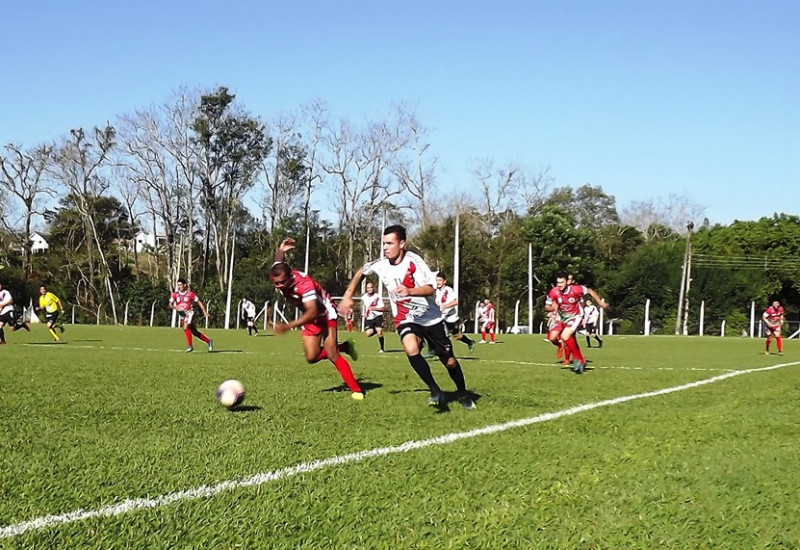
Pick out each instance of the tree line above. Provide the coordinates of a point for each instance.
(221, 186)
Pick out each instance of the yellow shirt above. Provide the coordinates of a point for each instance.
(49, 302)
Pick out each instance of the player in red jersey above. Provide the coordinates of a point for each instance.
(773, 320)
(349, 319)
(488, 317)
(183, 300)
(318, 321)
(410, 284)
(565, 299)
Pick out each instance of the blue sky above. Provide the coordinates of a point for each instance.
(645, 99)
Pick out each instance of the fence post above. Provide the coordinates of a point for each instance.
(73, 315)
(752, 319)
(208, 309)
(125, 322)
(722, 330)
(647, 317)
(152, 312)
(266, 314)
(600, 324)
(99, 307)
(702, 316)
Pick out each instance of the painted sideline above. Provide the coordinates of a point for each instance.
(207, 491)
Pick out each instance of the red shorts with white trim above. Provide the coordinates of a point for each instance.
(320, 326)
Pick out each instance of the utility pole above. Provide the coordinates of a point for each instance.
(684, 276)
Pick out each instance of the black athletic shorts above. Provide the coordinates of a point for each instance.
(454, 326)
(51, 317)
(374, 324)
(435, 335)
(9, 317)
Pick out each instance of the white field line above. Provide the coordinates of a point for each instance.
(207, 491)
(554, 364)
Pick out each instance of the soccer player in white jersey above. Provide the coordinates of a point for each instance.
(249, 314)
(8, 316)
(447, 301)
(590, 317)
(373, 308)
(409, 282)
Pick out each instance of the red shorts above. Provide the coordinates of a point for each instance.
(318, 327)
(772, 331)
(559, 326)
(488, 326)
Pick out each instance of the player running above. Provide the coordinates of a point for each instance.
(318, 321)
(52, 307)
(183, 301)
(591, 315)
(249, 314)
(488, 318)
(409, 281)
(447, 301)
(7, 315)
(373, 307)
(566, 300)
(773, 318)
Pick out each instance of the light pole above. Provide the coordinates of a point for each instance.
(684, 279)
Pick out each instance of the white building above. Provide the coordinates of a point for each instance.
(38, 243)
(144, 241)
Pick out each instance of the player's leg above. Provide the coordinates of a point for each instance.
(379, 330)
(2, 333)
(187, 333)
(493, 333)
(779, 341)
(439, 341)
(50, 324)
(578, 362)
(768, 341)
(411, 345)
(331, 348)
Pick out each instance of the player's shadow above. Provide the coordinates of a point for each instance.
(46, 343)
(448, 398)
(394, 351)
(366, 387)
(246, 409)
(226, 351)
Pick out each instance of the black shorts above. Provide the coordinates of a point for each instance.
(374, 324)
(435, 335)
(9, 317)
(251, 321)
(590, 328)
(454, 327)
(51, 317)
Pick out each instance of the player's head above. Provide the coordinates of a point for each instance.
(394, 242)
(182, 284)
(588, 301)
(370, 288)
(570, 278)
(42, 289)
(441, 279)
(562, 281)
(281, 275)
(776, 303)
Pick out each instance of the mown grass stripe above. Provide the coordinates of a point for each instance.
(206, 491)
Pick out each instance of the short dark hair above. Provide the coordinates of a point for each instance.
(182, 281)
(398, 230)
(441, 275)
(562, 275)
(280, 268)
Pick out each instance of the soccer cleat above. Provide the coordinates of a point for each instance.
(601, 345)
(780, 353)
(471, 345)
(189, 350)
(492, 342)
(357, 396)
(467, 402)
(210, 344)
(3, 343)
(61, 328)
(26, 327)
(577, 366)
(436, 399)
(429, 355)
(766, 352)
(351, 349)
(380, 351)
(482, 342)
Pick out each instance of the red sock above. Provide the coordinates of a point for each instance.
(574, 349)
(779, 341)
(188, 334)
(346, 373)
(203, 337)
(483, 335)
(493, 336)
(768, 342)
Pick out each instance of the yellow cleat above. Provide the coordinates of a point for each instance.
(357, 396)
(766, 353)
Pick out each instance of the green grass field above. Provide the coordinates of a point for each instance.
(121, 424)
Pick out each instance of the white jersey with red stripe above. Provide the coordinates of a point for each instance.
(369, 303)
(568, 301)
(410, 272)
(444, 295)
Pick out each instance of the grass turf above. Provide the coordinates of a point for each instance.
(121, 413)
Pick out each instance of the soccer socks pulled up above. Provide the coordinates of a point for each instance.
(466, 339)
(423, 370)
(779, 342)
(188, 334)
(346, 373)
(380, 341)
(574, 350)
(2, 335)
(494, 336)
(457, 375)
(53, 334)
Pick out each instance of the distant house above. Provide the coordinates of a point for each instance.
(38, 242)
(146, 242)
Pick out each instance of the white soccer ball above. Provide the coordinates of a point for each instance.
(230, 394)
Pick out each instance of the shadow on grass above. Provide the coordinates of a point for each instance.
(246, 409)
(226, 351)
(46, 343)
(366, 387)
(448, 398)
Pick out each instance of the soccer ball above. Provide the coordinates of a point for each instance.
(230, 394)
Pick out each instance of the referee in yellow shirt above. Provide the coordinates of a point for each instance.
(52, 306)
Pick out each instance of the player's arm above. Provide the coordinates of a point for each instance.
(202, 306)
(59, 303)
(310, 312)
(448, 305)
(424, 290)
(347, 300)
(286, 245)
(598, 300)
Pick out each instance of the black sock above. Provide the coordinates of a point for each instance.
(3, 335)
(599, 340)
(466, 339)
(380, 341)
(423, 370)
(588, 342)
(457, 375)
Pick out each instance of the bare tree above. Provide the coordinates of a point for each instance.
(670, 212)
(78, 163)
(415, 166)
(285, 171)
(22, 176)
